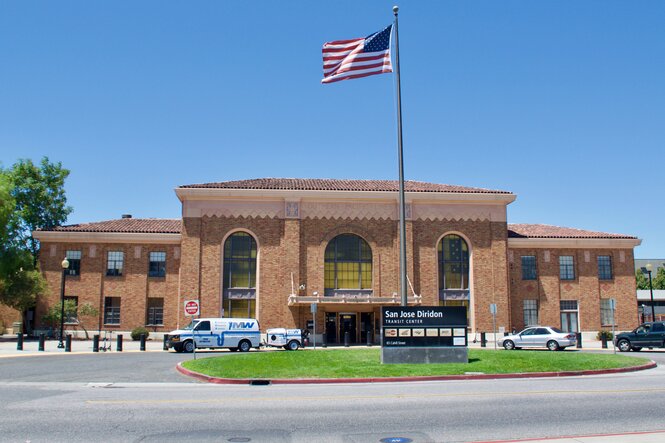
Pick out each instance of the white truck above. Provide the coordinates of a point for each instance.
(289, 339)
(236, 334)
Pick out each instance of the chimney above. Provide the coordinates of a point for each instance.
(126, 215)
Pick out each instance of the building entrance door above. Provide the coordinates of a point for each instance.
(569, 322)
(347, 323)
(366, 327)
(331, 327)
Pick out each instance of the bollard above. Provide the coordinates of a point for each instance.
(166, 342)
(19, 342)
(68, 343)
(347, 337)
(118, 343)
(142, 342)
(369, 338)
(324, 340)
(483, 340)
(579, 340)
(95, 343)
(42, 339)
(603, 341)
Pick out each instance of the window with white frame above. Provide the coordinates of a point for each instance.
(114, 263)
(605, 312)
(157, 265)
(74, 259)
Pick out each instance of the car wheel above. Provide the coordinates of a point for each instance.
(636, 348)
(188, 346)
(623, 345)
(293, 345)
(244, 346)
(552, 345)
(509, 345)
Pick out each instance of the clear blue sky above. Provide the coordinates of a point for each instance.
(562, 103)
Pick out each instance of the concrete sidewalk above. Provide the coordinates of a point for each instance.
(8, 346)
(629, 437)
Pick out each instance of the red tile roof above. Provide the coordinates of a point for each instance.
(126, 225)
(549, 231)
(323, 184)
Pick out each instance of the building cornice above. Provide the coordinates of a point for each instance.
(107, 237)
(573, 243)
(387, 196)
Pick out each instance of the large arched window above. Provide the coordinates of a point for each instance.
(348, 265)
(453, 255)
(239, 287)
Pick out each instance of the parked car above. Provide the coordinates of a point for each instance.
(548, 337)
(646, 335)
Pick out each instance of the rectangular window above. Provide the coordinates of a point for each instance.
(604, 267)
(74, 259)
(157, 267)
(529, 268)
(241, 308)
(530, 312)
(114, 263)
(71, 314)
(111, 310)
(605, 312)
(568, 305)
(155, 311)
(566, 267)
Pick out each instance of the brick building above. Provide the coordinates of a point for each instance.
(270, 248)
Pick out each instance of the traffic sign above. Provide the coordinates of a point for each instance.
(192, 307)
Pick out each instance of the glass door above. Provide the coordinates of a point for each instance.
(569, 322)
(331, 327)
(347, 324)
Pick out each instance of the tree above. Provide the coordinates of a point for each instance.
(86, 310)
(40, 201)
(641, 280)
(31, 197)
(659, 279)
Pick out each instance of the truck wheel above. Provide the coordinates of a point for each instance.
(623, 345)
(188, 346)
(244, 346)
(293, 345)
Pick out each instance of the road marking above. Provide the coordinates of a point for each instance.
(374, 397)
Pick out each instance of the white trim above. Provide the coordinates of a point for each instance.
(106, 237)
(223, 193)
(592, 243)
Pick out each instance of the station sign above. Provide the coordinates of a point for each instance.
(424, 326)
(192, 307)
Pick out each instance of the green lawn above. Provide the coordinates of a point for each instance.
(366, 362)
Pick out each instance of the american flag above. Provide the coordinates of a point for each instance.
(360, 57)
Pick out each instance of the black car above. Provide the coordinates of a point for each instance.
(647, 335)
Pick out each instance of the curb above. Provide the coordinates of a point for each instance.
(283, 381)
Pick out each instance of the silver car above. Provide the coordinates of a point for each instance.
(548, 337)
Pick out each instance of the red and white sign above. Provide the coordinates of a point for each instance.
(192, 307)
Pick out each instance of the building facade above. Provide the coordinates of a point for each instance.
(273, 248)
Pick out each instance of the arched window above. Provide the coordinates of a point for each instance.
(239, 287)
(348, 265)
(453, 255)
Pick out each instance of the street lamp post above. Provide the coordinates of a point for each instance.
(647, 270)
(65, 266)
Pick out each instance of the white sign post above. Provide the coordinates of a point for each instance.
(613, 305)
(493, 312)
(192, 308)
(314, 308)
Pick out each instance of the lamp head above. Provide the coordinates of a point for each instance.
(649, 267)
(65, 263)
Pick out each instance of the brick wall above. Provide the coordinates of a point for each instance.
(586, 288)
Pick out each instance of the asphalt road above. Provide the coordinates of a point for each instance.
(141, 398)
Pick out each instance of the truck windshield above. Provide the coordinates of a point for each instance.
(191, 325)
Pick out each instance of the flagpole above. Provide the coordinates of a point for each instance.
(400, 155)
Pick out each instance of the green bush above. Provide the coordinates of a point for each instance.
(136, 333)
(607, 335)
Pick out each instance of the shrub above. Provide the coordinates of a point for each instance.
(607, 335)
(136, 333)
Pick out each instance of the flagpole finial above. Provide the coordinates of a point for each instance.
(395, 9)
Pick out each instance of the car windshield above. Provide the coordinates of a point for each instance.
(191, 325)
(557, 330)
